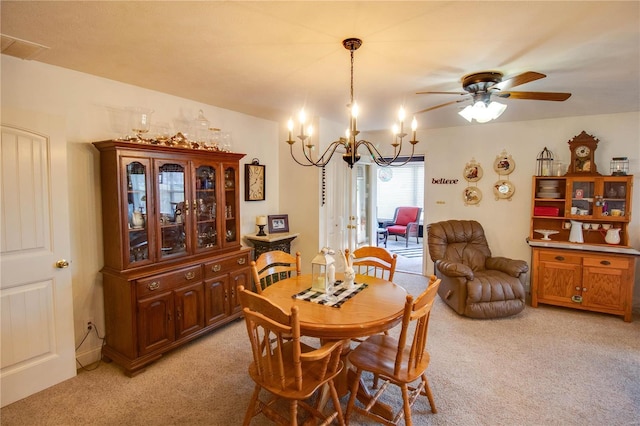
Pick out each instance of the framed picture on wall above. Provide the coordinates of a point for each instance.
(278, 223)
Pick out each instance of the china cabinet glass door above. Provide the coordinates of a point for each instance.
(582, 197)
(614, 198)
(137, 234)
(173, 209)
(231, 206)
(204, 209)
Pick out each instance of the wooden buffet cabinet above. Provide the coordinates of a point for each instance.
(592, 275)
(172, 253)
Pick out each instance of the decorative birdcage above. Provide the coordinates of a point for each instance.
(619, 166)
(544, 163)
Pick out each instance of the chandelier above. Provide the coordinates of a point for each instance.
(348, 145)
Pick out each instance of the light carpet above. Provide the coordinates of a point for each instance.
(545, 366)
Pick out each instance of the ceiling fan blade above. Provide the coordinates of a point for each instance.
(442, 93)
(440, 106)
(517, 80)
(539, 96)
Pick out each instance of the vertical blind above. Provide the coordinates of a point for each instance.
(399, 187)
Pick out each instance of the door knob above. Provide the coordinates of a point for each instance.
(62, 263)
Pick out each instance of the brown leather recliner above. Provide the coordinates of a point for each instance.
(474, 283)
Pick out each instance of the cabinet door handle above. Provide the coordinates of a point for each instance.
(584, 289)
(189, 275)
(186, 206)
(560, 258)
(605, 262)
(154, 285)
(226, 296)
(216, 268)
(577, 288)
(168, 316)
(178, 314)
(242, 261)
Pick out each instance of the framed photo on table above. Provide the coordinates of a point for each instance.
(278, 223)
(254, 181)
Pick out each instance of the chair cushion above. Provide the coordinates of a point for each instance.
(406, 215)
(397, 229)
(494, 294)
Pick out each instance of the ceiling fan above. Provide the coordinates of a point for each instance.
(481, 86)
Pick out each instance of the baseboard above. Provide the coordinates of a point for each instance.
(88, 357)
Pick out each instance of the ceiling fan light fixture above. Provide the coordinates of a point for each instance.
(482, 112)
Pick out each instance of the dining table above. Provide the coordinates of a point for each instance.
(375, 307)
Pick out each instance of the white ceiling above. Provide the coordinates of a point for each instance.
(268, 58)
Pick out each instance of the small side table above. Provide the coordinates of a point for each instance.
(271, 242)
(383, 234)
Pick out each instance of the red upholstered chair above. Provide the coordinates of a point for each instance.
(406, 223)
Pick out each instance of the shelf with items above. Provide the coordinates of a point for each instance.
(596, 203)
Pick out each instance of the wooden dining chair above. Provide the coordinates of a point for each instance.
(273, 266)
(398, 361)
(375, 261)
(284, 367)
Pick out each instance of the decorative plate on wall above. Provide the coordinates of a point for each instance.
(471, 195)
(503, 189)
(504, 164)
(472, 171)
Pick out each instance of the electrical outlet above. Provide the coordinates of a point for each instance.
(89, 323)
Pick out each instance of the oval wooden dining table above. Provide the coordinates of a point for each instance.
(373, 310)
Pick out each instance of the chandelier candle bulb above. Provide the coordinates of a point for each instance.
(290, 127)
(414, 127)
(261, 220)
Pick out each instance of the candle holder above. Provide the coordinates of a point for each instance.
(261, 231)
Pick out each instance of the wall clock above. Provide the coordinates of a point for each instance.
(254, 181)
(582, 163)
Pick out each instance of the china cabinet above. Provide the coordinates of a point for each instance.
(581, 256)
(172, 253)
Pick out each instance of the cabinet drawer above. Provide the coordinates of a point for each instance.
(224, 265)
(560, 257)
(161, 282)
(606, 262)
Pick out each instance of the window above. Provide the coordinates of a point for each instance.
(400, 186)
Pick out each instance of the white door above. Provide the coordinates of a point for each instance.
(362, 207)
(35, 294)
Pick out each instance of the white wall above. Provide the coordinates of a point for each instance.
(86, 101)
